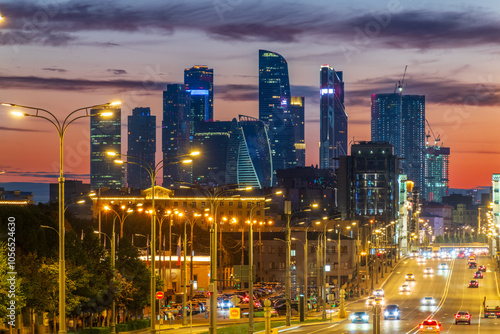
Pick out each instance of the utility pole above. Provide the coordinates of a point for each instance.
(288, 213)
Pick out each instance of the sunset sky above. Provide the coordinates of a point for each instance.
(61, 55)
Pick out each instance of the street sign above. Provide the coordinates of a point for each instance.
(234, 313)
(235, 300)
(159, 295)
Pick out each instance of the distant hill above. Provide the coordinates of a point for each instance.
(41, 193)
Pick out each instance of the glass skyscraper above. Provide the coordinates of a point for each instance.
(274, 109)
(297, 108)
(249, 159)
(333, 118)
(105, 135)
(175, 133)
(400, 120)
(141, 144)
(199, 81)
(212, 139)
(436, 172)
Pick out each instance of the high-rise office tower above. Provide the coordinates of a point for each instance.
(386, 120)
(340, 124)
(400, 120)
(413, 130)
(333, 118)
(199, 81)
(142, 145)
(211, 138)
(436, 172)
(249, 159)
(274, 109)
(105, 135)
(297, 108)
(175, 134)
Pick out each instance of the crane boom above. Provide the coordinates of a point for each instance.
(399, 85)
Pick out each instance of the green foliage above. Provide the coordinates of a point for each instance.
(133, 325)
(96, 330)
(133, 278)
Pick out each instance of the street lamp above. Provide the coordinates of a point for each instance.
(61, 128)
(153, 172)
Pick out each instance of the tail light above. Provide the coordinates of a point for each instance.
(468, 316)
(437, 326)
(421, 326)
(457, 316)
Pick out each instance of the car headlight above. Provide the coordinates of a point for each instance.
(386, 313)
(352, 317)
(396, 313)
(365, 317)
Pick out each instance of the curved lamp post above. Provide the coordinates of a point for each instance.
(153, 172)
(61, 127)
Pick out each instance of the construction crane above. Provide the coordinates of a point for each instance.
(399, 85)
(436, 139)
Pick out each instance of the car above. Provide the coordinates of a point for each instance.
(478, 274)
(473, 283)
(226, 304)
(370, 300)
(462, 316)
(428, 301)
(378, 301)
(443, 266)
(410, 277)
(472, 265)
(404, 288)
(360, 317)
(481, 268)
(392, 311)
(428, 271)
(421, 260)
(430, 326)
(378, 293)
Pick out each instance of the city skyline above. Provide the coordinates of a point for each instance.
(66, 62)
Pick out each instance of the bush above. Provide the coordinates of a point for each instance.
(96, 330)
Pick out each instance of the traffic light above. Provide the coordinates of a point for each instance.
(209, 294)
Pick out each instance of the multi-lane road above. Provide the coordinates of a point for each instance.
(448, 287)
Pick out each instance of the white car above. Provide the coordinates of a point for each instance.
(404, 288)
(443, 266)
(428, 271)
(378, 293)
(428, 301)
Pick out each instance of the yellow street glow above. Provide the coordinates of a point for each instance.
(110, 153)
(116, 103)
(106, 114)
(187, 161)
(7, 104)
(195, 153)
(17, 113)
(118, 161)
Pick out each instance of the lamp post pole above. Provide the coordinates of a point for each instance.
(61, 128)
(288, 212)
(184, 289)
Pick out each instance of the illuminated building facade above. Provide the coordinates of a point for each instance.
(175, 134)
(368, 182)
(297, 108)
(105, 135)
(141, 144)
(436, 172)
(400, 120)
(199, 81)
(274, 109)
(249, 160)
(333, 118)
